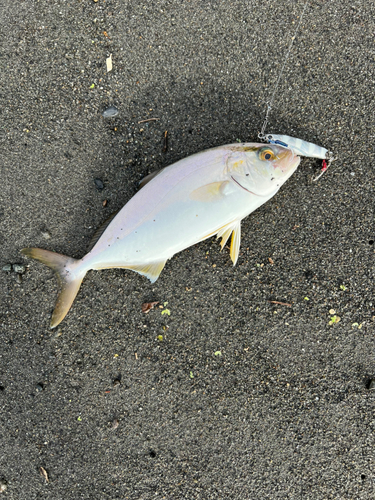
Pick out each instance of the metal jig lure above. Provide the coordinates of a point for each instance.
(303, 148)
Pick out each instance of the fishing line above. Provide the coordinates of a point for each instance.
(261, 135)
(298, 146)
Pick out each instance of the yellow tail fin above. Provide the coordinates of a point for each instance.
(70, 280)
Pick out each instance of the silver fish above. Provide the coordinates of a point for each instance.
(203, 195)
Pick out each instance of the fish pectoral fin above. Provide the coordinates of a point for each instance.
(151, 270)
(209, 192)
(233, 228)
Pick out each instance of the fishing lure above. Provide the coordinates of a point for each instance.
(302, 148)
(298, 146)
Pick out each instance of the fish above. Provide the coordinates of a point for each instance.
(203, 195)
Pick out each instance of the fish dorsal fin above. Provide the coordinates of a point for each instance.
(149, 177)
(225, 232)
(151, 270)
(209, 192)
(100, 231)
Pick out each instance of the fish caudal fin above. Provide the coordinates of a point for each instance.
(70, 281)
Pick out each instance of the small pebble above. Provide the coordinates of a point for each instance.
(7, 268)
(19, 278)
(110, 112)
(46, 235)
(19, 268)
(39, 387)
(115, 423)
(372, 384)
(116, 382)
(3, 485)
(57, 334)
(99, 184)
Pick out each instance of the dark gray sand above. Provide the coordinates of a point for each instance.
(242, 398)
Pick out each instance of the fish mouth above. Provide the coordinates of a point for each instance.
(241, 186)
(289, 161)
(295, 162)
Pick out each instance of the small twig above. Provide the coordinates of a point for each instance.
(44, 473)
(165, 142)
(280, 303)
(149, 120)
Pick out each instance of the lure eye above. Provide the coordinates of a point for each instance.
(267, 154)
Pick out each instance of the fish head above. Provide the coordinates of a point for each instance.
(261, 169)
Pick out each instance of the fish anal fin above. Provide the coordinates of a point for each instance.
(209, 192)
(98, 233)
(235, 243)
(151, 270)
(149, 177)
(225, 232)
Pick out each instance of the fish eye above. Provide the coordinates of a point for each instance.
(267, 154)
